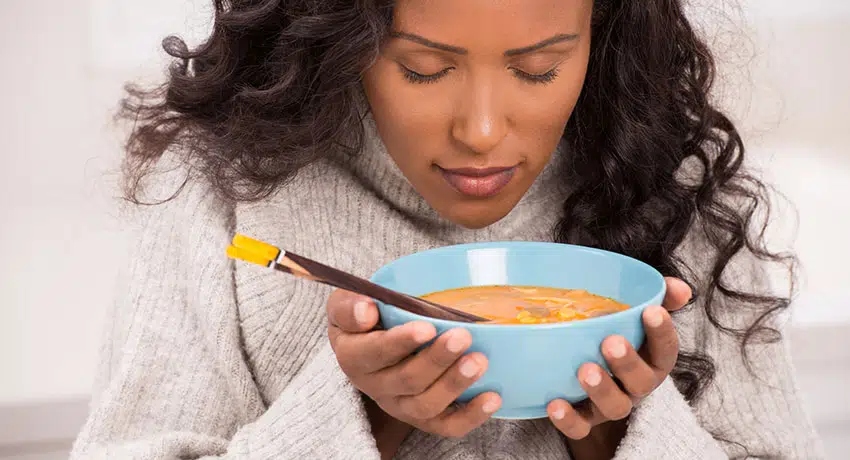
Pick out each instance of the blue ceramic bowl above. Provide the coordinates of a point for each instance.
(529, 365)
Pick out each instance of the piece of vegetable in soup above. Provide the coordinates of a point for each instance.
(527, 304)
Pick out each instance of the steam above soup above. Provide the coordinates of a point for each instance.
(527, 304)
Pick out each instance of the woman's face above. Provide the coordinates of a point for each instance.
(471, 97)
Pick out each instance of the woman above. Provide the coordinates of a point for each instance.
(357, 132)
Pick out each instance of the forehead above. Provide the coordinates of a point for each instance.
(489, 24)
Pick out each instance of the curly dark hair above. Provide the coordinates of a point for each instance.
(274, 88)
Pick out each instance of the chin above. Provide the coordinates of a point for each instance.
(477, 215)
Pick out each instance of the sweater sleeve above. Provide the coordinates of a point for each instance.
(751, 409)
(174, 383)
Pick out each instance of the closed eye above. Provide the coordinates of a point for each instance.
(541, 78)
(416, 77)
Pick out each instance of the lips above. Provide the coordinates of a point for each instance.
(479, 182)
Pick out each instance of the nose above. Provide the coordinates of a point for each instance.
(479, 124)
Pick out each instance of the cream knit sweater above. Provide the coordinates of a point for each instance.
(205, 358)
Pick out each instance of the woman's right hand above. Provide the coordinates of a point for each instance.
(415, 389)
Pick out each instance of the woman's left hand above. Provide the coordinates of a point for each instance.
(639, 372)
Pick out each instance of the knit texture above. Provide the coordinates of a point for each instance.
(206, 358)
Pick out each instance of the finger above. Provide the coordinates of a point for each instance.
(567, 420)
(608, 401)
(351, 312)
(662, 342)
(457, 422)
(678, 294)
(368, 352)
(418, 372)
(638, 378)
(446, 389)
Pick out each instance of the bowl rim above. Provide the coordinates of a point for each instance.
(509, 327)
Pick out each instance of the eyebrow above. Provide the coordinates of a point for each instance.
(560, 38)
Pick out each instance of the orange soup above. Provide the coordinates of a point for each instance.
(526, 304)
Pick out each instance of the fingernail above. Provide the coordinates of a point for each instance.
(654, 317)
(455, 343)
(593, 378)
(617, 349)
(469, 368)
(490, 407)
(361, 311)
(421, 333)
(559, 414)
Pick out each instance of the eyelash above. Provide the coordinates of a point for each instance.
(415, 77)
(542, 78)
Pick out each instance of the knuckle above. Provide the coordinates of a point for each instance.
(629, 364)
(345, 367)
(604, 392)
(380, 354)
(408, 383)
(442, 431)
(621, 411)
(583, 431)
(568, 424)
(643, 387)
(640, 392)
(573, 426)
(369, 393)
(674, 349)
(457, 382)
(421, 409)
(669, 361)
(670, 341)
(350, 373)
(350, 360)
(344, 360)
(454, 433)
(439, 358)
(453, 429)
(576, 429)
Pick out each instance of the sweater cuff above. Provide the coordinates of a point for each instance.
(663, 426)
(319, 415)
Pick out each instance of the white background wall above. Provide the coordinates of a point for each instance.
(63, 64)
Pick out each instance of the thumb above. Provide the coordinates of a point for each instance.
(351, 312)
(678, 295)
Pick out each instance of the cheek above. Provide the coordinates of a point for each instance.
(541, 114)
(549, 109)
(408, 119)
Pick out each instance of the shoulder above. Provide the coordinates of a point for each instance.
(738, 285)
(178, 213)
(703, 253)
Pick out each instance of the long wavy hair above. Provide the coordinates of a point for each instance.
(273, 88)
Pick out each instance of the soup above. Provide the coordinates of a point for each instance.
(527, 304)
